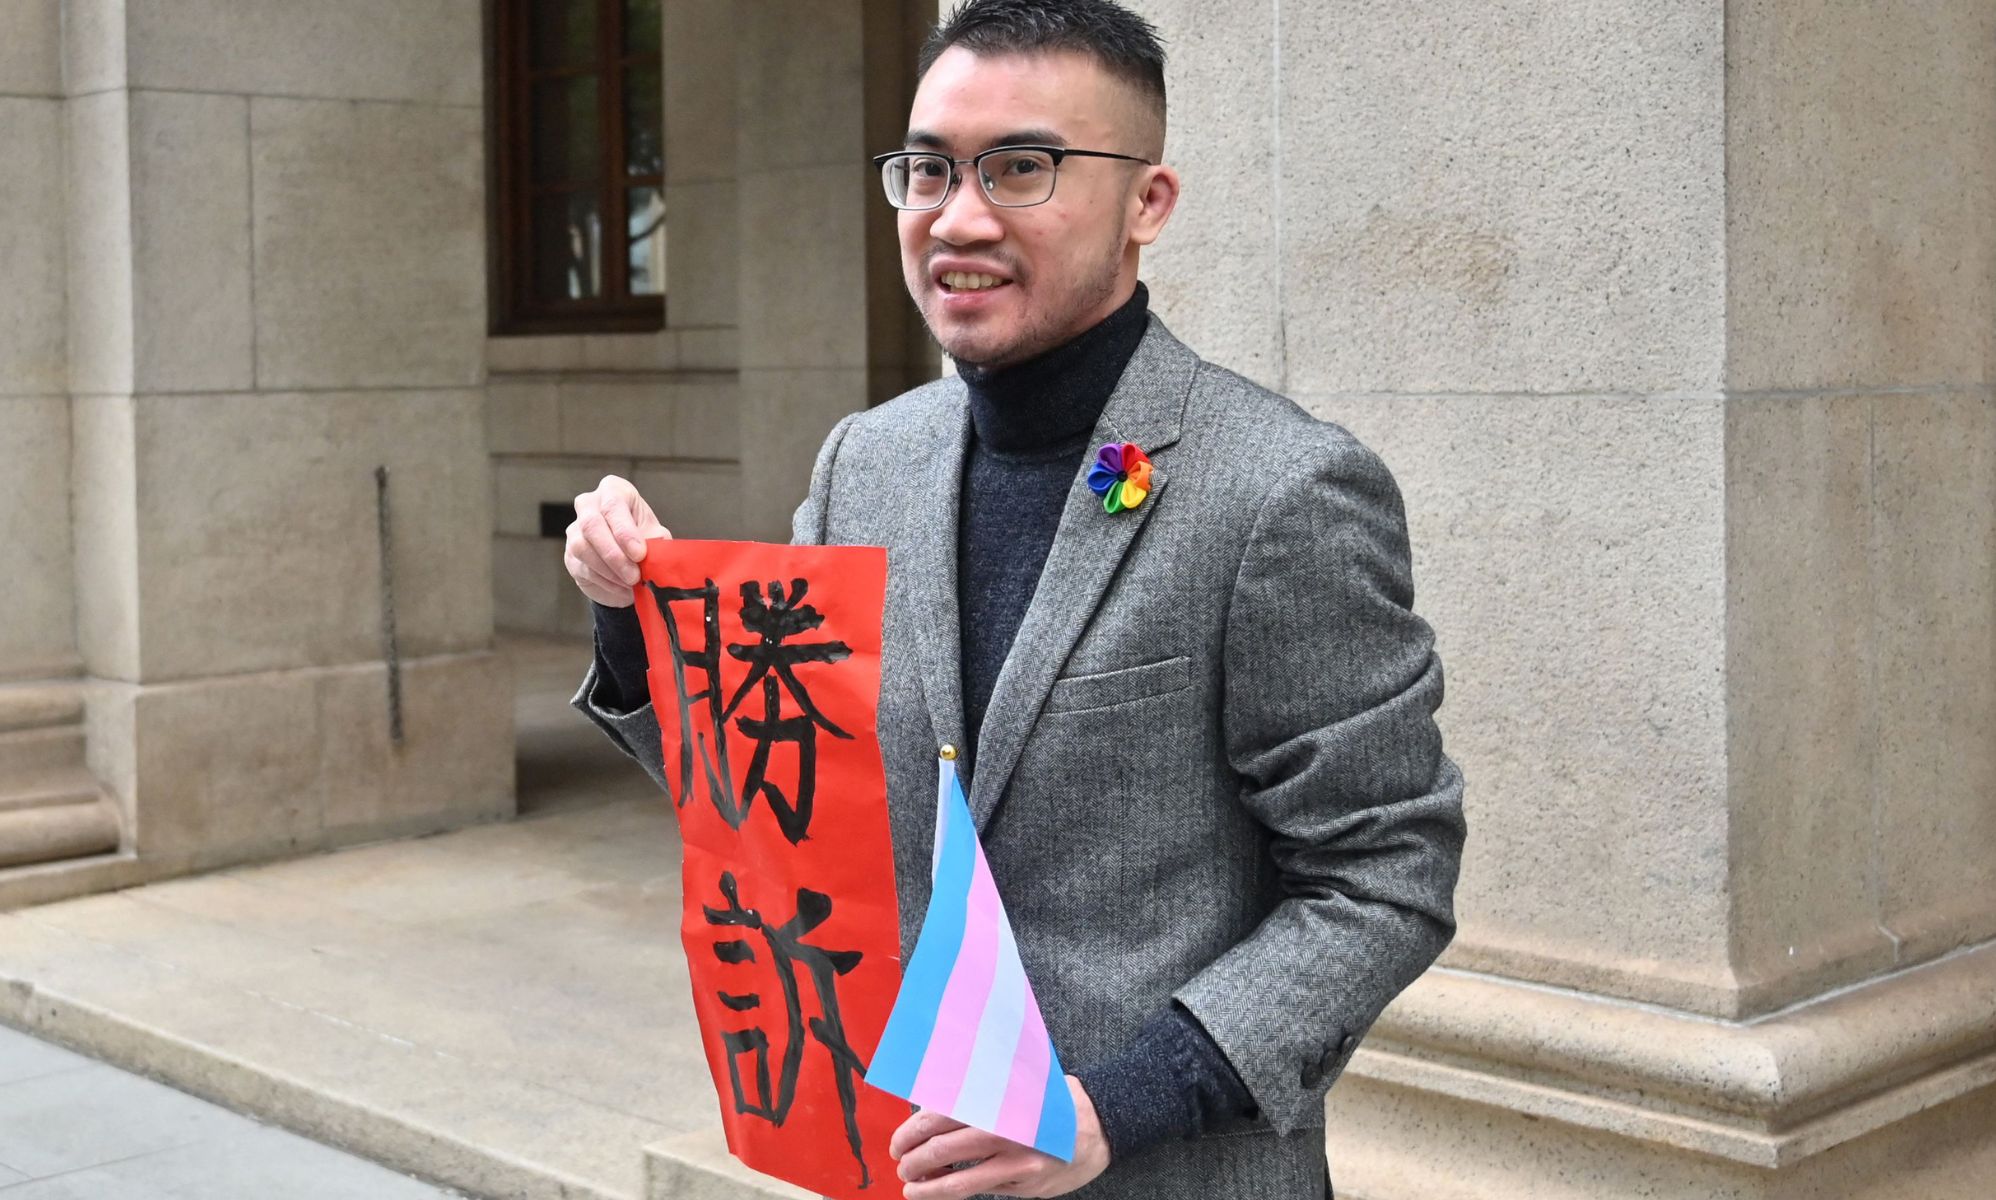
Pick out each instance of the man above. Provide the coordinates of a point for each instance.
(1196, 723)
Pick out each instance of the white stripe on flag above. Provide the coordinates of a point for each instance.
(997, 1045)
(945, 784)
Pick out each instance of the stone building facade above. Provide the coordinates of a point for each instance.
(244, 269)
(1677, 324)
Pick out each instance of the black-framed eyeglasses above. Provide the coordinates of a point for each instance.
(1012, 176)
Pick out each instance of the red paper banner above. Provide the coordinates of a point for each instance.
(764, 669)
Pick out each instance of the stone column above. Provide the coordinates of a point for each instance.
(1677, 326)
(825, 324)
(51, 808)
(1860, 487)
(276, 284)
(37, 637)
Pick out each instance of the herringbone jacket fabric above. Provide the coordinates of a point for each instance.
(1210, 768)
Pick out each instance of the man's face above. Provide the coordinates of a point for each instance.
(1063, 265)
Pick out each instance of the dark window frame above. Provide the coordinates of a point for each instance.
(514, 310)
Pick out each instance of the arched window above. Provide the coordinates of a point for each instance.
(578, 230)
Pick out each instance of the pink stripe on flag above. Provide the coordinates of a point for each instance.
(940, 1081)
(1025, 1092)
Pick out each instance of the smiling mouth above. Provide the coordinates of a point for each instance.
(969, 281)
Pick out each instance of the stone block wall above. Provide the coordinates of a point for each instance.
(660, 409)
(1676, 324)
(246, 268)
(1861, 486)
(785, 308)
(38, 636)
(1495, 252)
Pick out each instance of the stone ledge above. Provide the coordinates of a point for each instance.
(40, 703)
(223, 1035)
(54, 832)
(304, 1106)
(697, 1166)
(44, 883)
(1766, 1092)
(41, 749)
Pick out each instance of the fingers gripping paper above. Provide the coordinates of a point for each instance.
(764, 671)
(966, 1038)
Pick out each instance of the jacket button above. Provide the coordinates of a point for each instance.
(1315, 1072)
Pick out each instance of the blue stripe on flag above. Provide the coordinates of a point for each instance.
(905, 1041)
(1056, 1131)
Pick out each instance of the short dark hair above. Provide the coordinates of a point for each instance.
(1124, 43)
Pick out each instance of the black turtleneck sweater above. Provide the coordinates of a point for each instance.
(1031, 425)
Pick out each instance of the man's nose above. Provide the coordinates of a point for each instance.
(965, 218)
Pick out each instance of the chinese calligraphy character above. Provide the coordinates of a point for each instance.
(787, 952)
(774, 618)
(707, 659)
(772, 661)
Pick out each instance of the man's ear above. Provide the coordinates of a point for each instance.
(1151, 205)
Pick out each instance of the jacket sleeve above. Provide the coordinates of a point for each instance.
(635, 731)
(1331, 685)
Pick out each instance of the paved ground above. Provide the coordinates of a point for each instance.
(503, 1008)
(72, 1128)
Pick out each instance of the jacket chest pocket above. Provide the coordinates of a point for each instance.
(1103, 689)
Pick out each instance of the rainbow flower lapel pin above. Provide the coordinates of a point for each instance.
(1121, 476)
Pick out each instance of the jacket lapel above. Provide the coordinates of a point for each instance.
(929, 568)
(1147, 408)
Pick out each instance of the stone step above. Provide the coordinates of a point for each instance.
(66, 878)
(36, 751)
(175, 980)
(58, 831)
(698, 1164)
(53, 812)
(52, 809)
(49, 788)
(40, 704)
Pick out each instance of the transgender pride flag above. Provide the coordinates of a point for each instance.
(965, 1038)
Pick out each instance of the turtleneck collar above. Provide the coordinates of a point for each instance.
(1054, 399)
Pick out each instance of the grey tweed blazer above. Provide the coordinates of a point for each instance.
(1210, 768)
